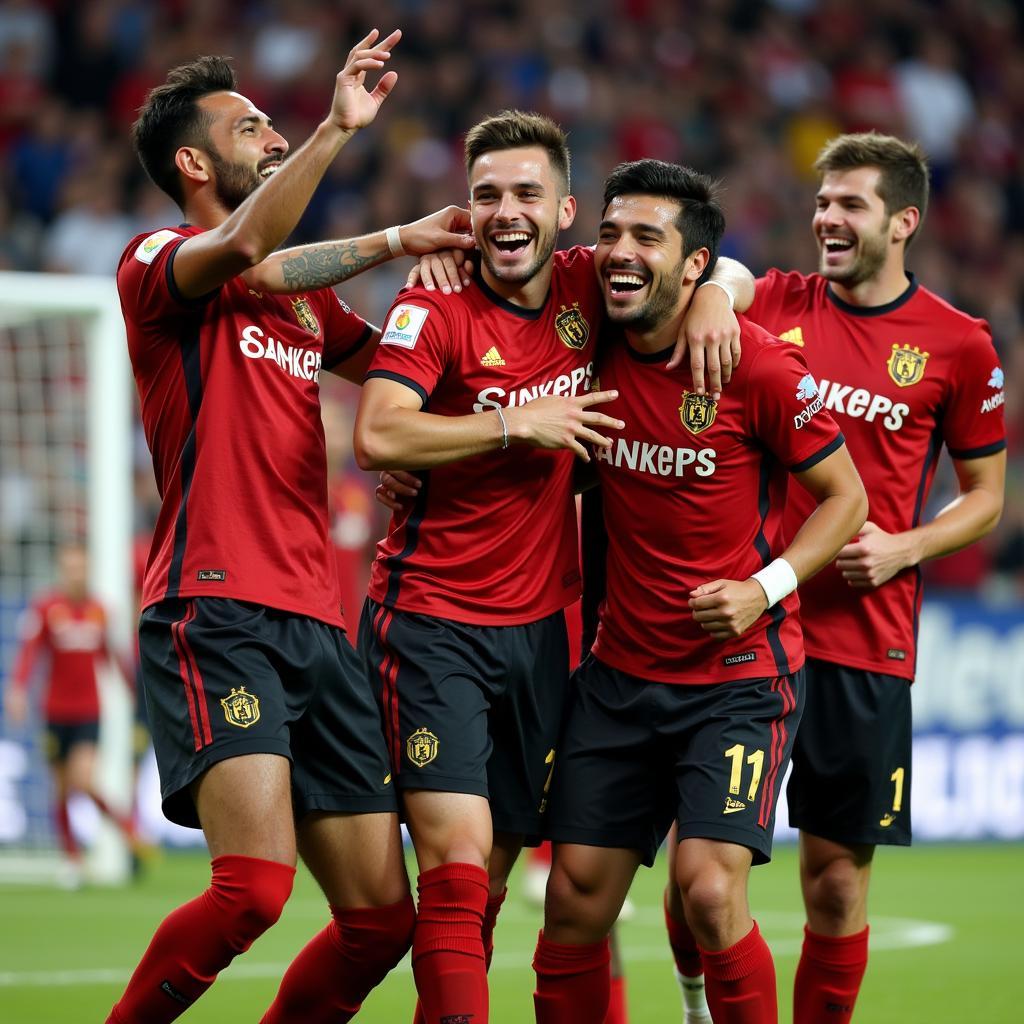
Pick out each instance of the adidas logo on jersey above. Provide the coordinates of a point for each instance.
(492, 357)
(795, 336)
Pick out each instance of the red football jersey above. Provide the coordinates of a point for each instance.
(901, 380)
(230, 397)
(490, 540)
(73, 636)
(693, 491)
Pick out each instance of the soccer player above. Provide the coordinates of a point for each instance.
(265, 731)
(68, 627)
(904, 373)
(687, 707)
(487, 392)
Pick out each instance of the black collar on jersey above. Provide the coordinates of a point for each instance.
(660, 356)
(522, 312)
(889, 307)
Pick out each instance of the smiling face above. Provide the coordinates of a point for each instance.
(244, 150)
(517, 210)
(640, 262)
(852, 227)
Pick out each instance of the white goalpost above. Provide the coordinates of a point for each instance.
(65, 474)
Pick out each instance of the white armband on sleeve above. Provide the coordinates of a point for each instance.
(777, 580)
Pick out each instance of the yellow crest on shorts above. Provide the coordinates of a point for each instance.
(241, 708)
(906, 365)
(572, 328)
(421, 747)
(305, 316)
(697, 412)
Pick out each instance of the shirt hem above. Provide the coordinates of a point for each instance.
(259, 599)
(473, 616)
(749, 670)
(888, 667)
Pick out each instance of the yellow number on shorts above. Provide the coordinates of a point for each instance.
(756, 760)
(897, 800)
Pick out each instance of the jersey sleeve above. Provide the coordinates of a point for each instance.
(145, 279)
(770, 293)
(345, 331)
(32, 633)
(972, 424)
(786, 410)
(415, 346)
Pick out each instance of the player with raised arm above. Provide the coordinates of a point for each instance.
(265, 731)
(903, 372)
(67, 629)
(687, 707)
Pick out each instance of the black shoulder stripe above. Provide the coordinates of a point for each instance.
(822, 453)
(400, 379)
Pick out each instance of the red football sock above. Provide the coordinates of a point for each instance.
(572, 982)
(684, 946)
(199, 939)
(329, 979)
(828, 977)
(62, 819)
(122, 821)
(740, 982)
(617, 1009)
(448, 960)
(486, 937)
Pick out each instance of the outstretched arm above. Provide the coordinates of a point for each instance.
(266, 218)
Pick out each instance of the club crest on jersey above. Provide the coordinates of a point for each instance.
(421, 747)
(906, 365)
(241, 708)
(697, 412)
(307, 321)
(572, 328)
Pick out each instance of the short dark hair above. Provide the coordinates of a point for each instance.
(171, 118)
(516, 129)
(903, 167)
(700, 221)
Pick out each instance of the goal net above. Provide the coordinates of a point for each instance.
(65, 475)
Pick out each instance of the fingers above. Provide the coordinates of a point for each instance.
(714, 587)
(599, 419)
(414, 277)
(384, 86)
(714, 368)
(697, 370)
(677, 354)
(401, 482)
(735, 350)
(450, 278)
(432, 274)
(595, 398)
(388, 498)
(592, 437)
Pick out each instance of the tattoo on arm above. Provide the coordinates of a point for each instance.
(318, 266)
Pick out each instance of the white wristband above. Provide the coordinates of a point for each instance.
(777, 580)
(394, 240)
(725, 288)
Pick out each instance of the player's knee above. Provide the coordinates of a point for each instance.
(575, 899)
(710, 896)
(250, 895)
(837, 891)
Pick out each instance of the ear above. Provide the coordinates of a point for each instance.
(193, 164)
(905, 223)
(695, 264)
(568, 213)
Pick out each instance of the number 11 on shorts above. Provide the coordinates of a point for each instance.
(756, 760)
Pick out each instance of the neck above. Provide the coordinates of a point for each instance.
(663, 335)
(885, 287)
(204, 213)
(528, 294)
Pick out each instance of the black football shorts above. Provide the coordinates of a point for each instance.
(60, 737)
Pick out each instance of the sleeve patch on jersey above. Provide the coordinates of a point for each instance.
(404, 326)
(996, 380)
(147, 249)
(807, 391)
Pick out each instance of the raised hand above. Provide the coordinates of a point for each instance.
(353, 107)
(397, 489)
(563, 422)
(710, 333)
(448, 269)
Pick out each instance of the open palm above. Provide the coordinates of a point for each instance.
(354, 107)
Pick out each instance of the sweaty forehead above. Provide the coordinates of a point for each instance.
(860, 181)
(655, 211)
(230, 106)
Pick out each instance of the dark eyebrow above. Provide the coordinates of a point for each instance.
(517, 185)
(637, 229)
(253, 119)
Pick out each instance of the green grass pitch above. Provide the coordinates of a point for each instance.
(945, 944)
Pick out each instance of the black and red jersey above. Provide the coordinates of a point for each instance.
(901, 380)
(71, 636)
(229, 390)
(490, 540)
(693, 491)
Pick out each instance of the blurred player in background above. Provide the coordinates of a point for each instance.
(67, 628)
(265, 731)
(686, 708)
(904, 373)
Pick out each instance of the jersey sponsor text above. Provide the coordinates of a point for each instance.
(303, 363)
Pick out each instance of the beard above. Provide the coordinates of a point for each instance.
(235, 182)
(545, 247)
(661, 305)
(869, 261)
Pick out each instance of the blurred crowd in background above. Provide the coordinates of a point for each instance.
(747, 90)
